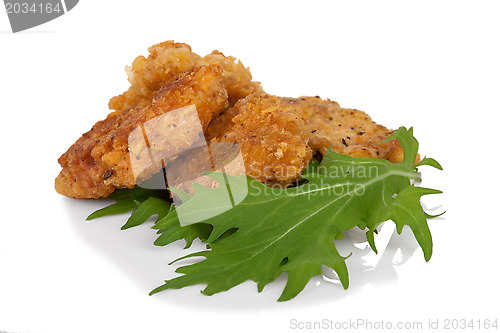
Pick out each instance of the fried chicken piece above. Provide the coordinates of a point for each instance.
(346, 131)
(326, 124)
(100, 161)
(260, 124)
(272, 139)
(236, 78)
(322, 123)
(169, 59)
(270, 136)
(223, 123)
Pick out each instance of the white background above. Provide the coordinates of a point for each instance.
(433, 65)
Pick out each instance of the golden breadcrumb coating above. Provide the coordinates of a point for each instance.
(346, 131)
(322, 123)
(222, 124)
(326, 124)
(169, 59)
(277, 137)
(146, 75)
(236, 78)
(99, 161)
(272, 139)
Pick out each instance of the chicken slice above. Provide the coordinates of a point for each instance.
(261, 125)
(347, 131)
(269, 136)
(100, 161)
(272, 138)
(166, 61)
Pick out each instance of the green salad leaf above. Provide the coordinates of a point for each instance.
(143, 202)
(271, 231)
(292, 230)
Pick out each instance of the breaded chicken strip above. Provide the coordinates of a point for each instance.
(271, 137)
(346, 131)
(235, 77)
(99, 162)
(169, 59)
(326, 124)
(321, 124)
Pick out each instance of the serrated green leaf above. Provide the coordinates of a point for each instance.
(312, 167)
(151, 206)
(406, 209)
(293, 230)
(132, 200)
(137, 192)
(170, 230)
(184, 196)
(431, 162)
(429, 216)
(120, 207)
(409, 144)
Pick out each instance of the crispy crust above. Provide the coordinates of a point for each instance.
(347, 131)
(271, 138)
(166, 61)
(99, 161)
(235, 78)
(260, 123)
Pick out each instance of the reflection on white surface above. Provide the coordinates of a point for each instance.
(133, 252)
(367, 267)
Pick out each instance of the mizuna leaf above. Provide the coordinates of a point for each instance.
(407, 210)
(431, 162)
(170, 230)
(145, 210)
(184, 196)
(137, 193)
(273, 231)
(429, 216)
(120, 207)
(143, 202)
(312, 167)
